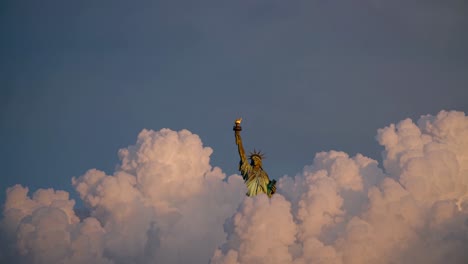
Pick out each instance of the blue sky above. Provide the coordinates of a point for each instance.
(80, 79)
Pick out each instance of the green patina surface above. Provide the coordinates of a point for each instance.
(255, 177)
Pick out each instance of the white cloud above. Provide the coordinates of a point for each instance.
(165, 203)
(263, 229)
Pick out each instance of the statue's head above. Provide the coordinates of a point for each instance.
(256, 158)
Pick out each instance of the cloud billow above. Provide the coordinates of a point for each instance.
(165, 203)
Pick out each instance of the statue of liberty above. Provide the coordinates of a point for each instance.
(255, 177)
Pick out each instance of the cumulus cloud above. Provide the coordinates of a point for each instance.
(263, 230)
(165, 203)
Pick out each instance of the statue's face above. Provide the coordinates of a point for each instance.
(256, 161)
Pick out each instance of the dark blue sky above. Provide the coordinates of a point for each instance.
(80, 79)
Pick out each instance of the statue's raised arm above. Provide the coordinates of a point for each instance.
(240, 148)
(254, 176)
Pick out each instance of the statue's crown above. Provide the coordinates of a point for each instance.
(256, 153)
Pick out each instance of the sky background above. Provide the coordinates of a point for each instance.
(80, 79)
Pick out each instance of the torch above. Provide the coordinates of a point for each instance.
(237, 126)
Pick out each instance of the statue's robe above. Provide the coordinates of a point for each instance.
(256, 179)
